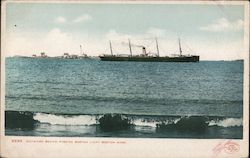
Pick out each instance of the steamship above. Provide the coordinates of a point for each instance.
(146, 57)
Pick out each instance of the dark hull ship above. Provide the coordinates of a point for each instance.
(144, 57)
(192, 58)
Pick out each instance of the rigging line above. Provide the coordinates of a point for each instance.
(187, 45)
(163, 50)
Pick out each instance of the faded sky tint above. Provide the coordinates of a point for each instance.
(215, 32)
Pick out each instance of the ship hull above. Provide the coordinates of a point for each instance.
(151, 59)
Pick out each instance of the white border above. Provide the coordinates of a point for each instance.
(131, 147)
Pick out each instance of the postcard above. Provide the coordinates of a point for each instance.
(124, 79)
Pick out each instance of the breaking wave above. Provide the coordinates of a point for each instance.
(227, 122)
(23, 119)
(65, 120)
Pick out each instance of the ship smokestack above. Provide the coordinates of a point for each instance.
(144, 51)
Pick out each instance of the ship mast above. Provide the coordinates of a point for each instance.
(110, 46)
(130, 49)
(81, 50)
(157, 47)
(180, 47)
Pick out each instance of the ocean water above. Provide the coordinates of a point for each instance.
(93, 98)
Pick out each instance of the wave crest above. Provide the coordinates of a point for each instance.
(25, 119)
(65, 120)
(228, 122)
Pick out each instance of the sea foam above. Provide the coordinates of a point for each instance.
(228, 122)
(65, 120)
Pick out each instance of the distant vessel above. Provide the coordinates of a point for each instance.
(74, 56)
(145, 57)
(64, 56)
(43, 55)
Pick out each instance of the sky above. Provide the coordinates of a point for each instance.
(215, 32)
